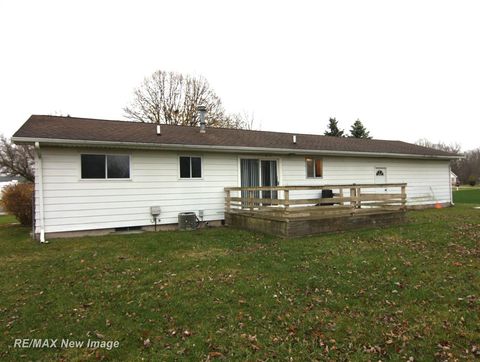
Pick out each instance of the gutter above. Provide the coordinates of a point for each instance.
(39, 174)
(142, 145)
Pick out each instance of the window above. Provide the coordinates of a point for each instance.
(314, 167)
(105, 166)
(190, 167)
(118, 166)
(93, 166)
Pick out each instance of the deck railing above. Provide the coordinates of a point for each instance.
(307, 201)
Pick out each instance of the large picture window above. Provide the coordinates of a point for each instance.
(190, 167)
(314, 167)
(105, 166)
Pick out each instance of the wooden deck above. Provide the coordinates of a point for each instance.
(286, 211)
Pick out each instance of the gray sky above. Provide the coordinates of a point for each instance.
(407, 69)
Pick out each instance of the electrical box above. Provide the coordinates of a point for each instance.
(155, 210)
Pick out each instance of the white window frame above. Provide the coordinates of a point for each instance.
(190, 178)
(106, 178)
(314, 166)
(260, 159)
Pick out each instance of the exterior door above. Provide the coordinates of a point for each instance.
(268, 171)
(255, 172)
(380, 175)
(249, 172)
(249, 177)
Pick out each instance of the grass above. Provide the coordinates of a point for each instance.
(394, 293)
(477, 186)
(466, 195)
(7, 219)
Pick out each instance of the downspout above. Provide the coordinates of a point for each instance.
(39, 175)
(450, 182)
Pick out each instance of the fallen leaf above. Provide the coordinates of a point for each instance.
(147, 343)
(99, 335)
(215, 354)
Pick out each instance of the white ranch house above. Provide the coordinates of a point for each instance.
(100, 175)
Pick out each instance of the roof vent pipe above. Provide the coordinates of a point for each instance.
(202, 110)
(159, 131)
(294, 137)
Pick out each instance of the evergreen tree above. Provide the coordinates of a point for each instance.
(332, 129)
(358, 130)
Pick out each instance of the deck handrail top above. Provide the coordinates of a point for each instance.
(312, 187)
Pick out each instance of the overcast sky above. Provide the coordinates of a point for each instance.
(407, 69)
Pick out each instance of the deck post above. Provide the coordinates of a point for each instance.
(404, 197)
(287, 199)
(358, 193)
(228, 200)
(340, 194)
(353, 196)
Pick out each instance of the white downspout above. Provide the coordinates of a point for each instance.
(39, 174)
(450, 183)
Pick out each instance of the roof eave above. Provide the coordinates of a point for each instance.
(165, 146)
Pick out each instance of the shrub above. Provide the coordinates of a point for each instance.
(472, 180)
(17, 200)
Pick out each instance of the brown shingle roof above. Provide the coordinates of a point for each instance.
(86, 129)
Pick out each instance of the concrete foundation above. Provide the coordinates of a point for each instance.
(100, 232)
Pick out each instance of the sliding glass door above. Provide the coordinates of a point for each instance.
(269, 177)
(256, 172)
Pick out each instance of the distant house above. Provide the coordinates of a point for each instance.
(93, 174)
(455, 181)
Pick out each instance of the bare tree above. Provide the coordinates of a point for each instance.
(468, 168)
(243, 120)
(172, 98)
(465, 168)
(452, 147)
(16, 160)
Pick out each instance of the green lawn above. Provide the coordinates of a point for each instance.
(466, 195)
(381, 294)
(7, 219)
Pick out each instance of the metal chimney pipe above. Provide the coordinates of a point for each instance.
(202, 110)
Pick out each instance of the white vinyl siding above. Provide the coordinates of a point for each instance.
(72, 203)
(75, 204)
(427, 180)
